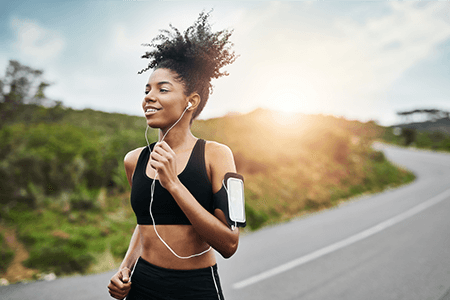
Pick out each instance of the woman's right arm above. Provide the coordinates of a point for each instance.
(120, 284)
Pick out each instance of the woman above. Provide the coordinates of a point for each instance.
(174, 181)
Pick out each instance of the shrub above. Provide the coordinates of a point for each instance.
(84, 199)
(409, 135)
(61, 257)
(6, 254)
(377, 156)
(119, 244)
(255, 218)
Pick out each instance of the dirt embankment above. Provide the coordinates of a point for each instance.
(16, 271)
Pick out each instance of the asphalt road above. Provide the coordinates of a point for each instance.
(393, 245)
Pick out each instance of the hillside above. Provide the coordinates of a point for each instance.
(64, 194)
(298, 163)
(439, 125)
(433, 135)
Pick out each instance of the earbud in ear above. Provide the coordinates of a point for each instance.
(189, 105)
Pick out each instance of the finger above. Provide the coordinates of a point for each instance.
(157, 156)
(120, 291)
(158, 166)
(113, 284)
(159, 161)
(117, 284)
(163, 145)
(125, 275)
(164, 152)
(118, 295)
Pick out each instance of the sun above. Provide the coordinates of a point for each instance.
(288, 102)
(288, 107)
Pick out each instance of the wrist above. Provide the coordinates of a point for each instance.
(174, 187)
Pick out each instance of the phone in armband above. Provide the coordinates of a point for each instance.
(231, 200)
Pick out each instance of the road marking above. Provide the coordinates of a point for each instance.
(344, 243)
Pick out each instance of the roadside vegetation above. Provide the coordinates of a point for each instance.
(431, 140)
(294, 164)
(64, 193)
(421, 128)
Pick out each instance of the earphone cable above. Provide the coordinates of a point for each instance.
(152, 191)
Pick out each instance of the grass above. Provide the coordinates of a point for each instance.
(431, 140)
(77, 241)
(6, 254)
(285, 204)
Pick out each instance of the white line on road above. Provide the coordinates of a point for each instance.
(341, 244)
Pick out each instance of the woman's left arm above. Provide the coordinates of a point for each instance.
(213, 229)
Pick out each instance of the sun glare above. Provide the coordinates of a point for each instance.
(286, 119)
(288, 102)
(288, 108)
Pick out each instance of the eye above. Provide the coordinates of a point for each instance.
(146, 92)
(164, 90)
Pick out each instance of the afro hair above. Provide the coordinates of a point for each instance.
(196, 56)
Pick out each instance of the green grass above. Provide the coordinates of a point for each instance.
(434, 140)
(68, 242)
(6, 254)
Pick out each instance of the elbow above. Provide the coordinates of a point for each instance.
(229, 250)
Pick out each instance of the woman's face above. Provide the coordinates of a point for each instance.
(164, 100)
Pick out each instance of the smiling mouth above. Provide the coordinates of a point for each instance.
(151, 110)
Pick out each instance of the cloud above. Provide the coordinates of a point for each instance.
(317, 57)
(36, 43)
(382, 49)
(331, 62)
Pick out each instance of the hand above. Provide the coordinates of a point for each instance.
(119, 285)
(163, 160)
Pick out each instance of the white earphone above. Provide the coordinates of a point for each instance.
(189, 105)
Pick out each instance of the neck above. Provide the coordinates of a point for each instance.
(178, 136)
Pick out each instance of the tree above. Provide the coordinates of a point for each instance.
(21, 85)
(430, 114)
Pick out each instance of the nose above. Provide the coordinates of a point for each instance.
(149, 97)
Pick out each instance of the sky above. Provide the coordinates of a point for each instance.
(359, 60)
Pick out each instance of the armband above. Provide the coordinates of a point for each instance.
(230, 199)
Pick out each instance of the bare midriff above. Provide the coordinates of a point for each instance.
(182, 239)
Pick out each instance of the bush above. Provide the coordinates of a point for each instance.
(61, 257)
(423, 140)
(6, 254)
(409, 135)
(377, 156)
(255, 218)
(119, 244)
(84, 199)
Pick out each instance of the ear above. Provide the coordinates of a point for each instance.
(194, 100)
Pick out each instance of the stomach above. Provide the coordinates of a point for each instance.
(182, 239)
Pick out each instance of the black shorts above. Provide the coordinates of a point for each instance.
(150, 282)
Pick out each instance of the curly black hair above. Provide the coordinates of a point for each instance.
(196, 56)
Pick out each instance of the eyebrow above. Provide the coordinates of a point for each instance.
(160, 83)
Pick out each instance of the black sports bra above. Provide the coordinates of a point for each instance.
(165, 210)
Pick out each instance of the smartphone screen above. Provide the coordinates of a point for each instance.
(236, 203)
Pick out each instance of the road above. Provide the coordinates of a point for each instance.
(392, 245)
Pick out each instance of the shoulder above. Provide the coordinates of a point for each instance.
(219, 161)
(131, 158)
(217, 151)
(133, 155)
